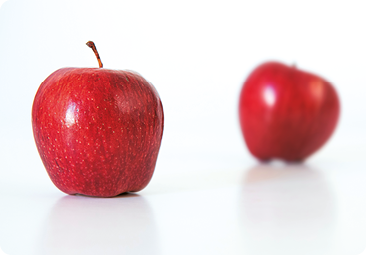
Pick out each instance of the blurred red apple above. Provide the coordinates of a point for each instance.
(98, 131)
(286, 113)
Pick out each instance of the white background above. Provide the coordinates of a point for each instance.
(204, 196)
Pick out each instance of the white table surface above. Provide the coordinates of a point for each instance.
(318, 207)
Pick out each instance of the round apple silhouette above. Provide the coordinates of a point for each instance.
(98, 131)
(286, 113)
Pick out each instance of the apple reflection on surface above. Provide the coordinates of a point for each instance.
(286, 209)
(84, 225)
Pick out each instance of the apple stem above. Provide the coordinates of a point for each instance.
(92, 45)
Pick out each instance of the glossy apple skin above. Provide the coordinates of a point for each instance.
(286, 113)
(98, 131)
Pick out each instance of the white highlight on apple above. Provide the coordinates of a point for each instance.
(317, 88)
(70, 115)
(269, 95)
(363, 253)
(2, 253)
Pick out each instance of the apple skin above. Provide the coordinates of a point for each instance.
(286, 113)
(98, 131)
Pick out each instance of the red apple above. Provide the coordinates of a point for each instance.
(98, 131)
(286, 113)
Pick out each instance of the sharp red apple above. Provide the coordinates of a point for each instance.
(98, 131)
(286, 113)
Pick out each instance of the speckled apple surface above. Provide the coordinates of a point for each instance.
(98, 131)
(286, 113)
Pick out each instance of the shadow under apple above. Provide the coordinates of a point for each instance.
(286, 209)
(85, 225)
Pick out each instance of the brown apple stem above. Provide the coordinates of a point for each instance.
(92, 45)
